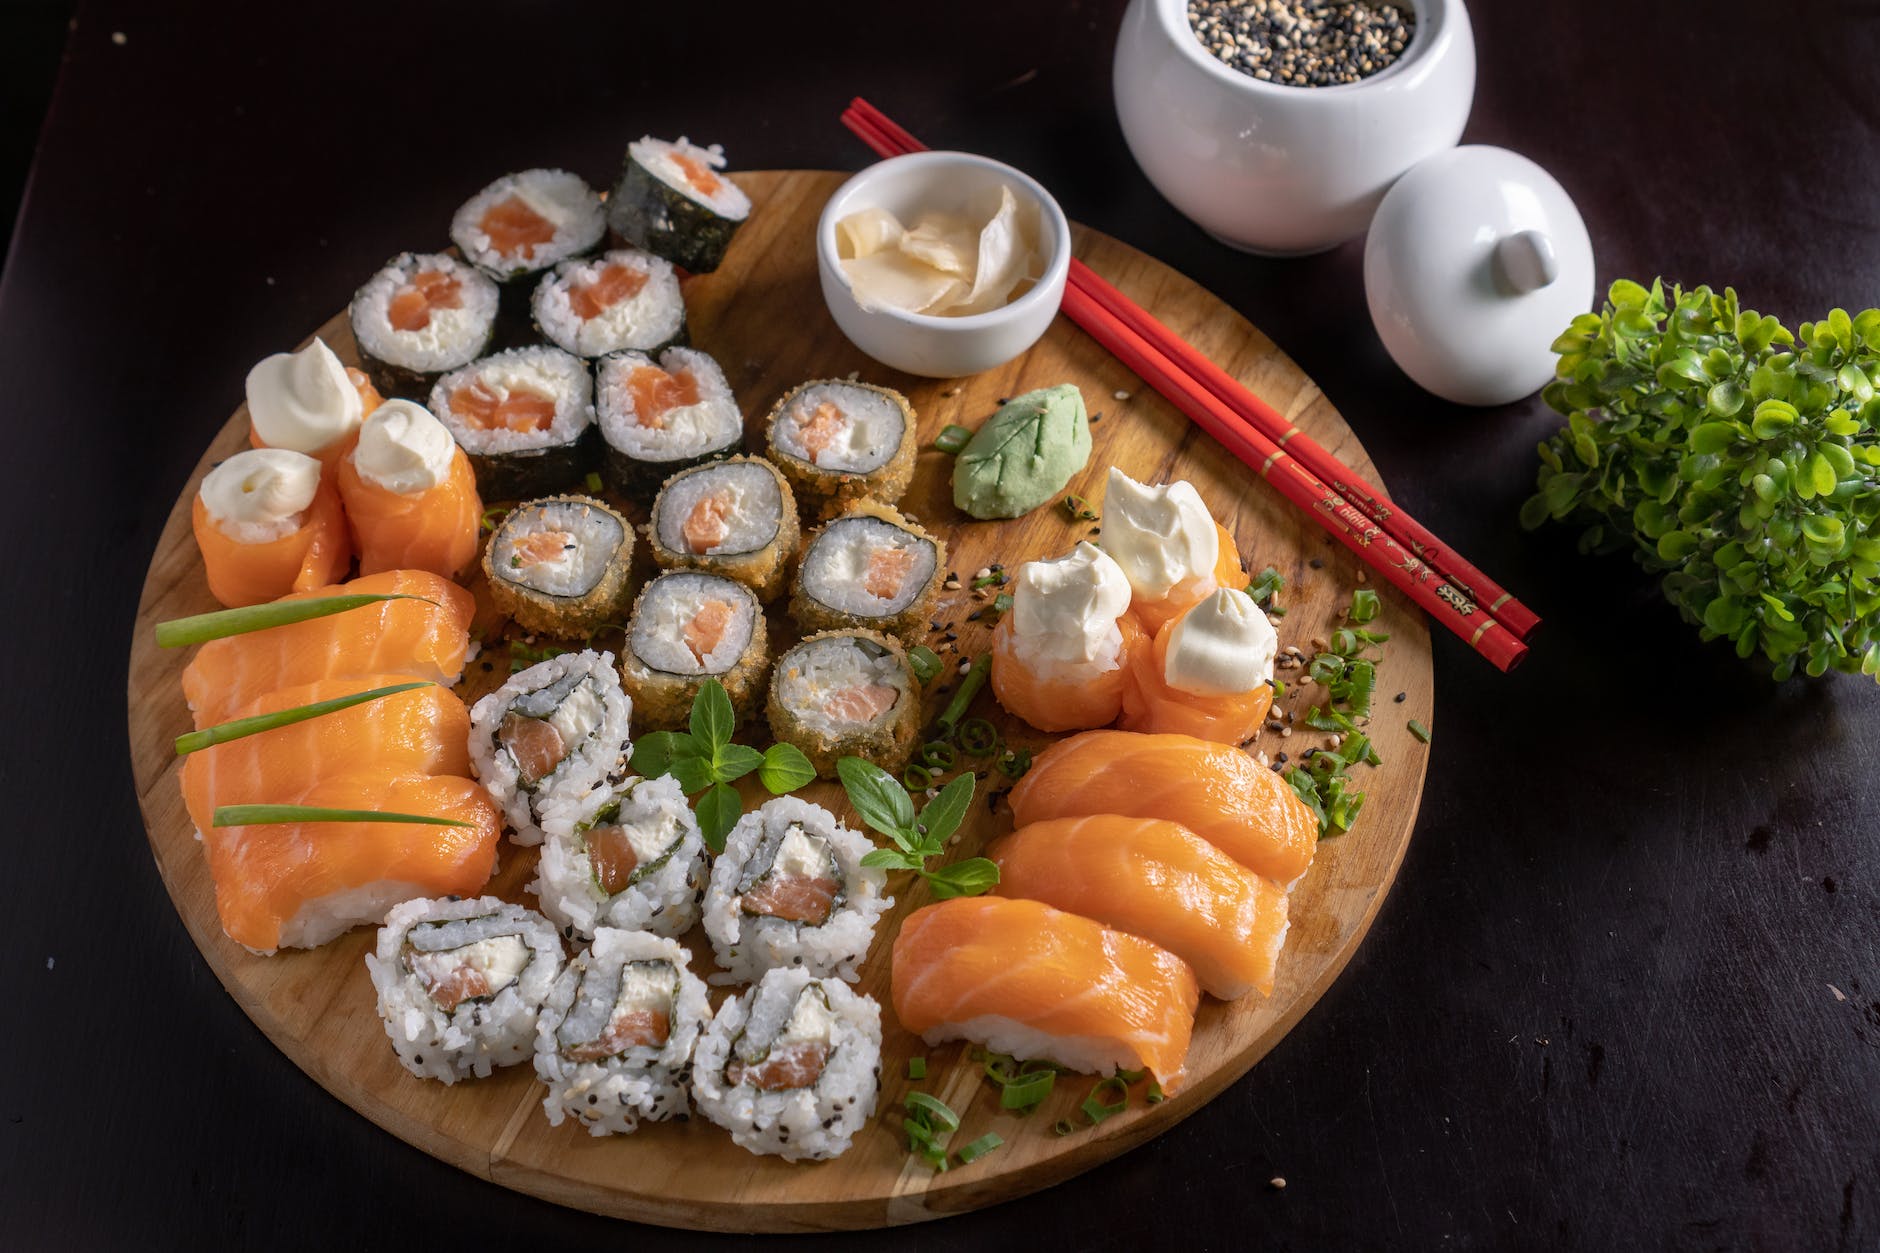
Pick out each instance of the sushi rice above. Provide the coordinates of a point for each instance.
(629, 857)
(549, 737)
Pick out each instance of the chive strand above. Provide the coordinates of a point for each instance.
(256, 815)
(222, 733)
(976, 676)
(203, 627)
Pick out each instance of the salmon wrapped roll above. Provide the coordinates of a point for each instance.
(410, 494)
(1208, 674)
(1170, 548)
(268, 523)
(1213, 789)
(1023, 978)
(308, 402)
(1158, 880)
(1060, 657)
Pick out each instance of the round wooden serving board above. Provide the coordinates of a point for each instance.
(762, 317)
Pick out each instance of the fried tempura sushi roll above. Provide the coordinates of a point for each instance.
(839, 442)
(410, 494)
(736, 518)
(870, 568)
(846, 693)
(269, 523)
(688, 627)
(560, 566)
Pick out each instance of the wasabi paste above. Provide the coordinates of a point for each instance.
(1024, 454)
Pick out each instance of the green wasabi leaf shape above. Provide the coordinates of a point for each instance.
(1024, 454)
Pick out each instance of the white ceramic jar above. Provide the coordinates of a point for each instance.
(1285, 170)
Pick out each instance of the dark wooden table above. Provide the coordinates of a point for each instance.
(1626, 993)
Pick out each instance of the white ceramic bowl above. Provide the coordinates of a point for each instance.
(942, 347)
(1285, 170)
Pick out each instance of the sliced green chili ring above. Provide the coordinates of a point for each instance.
(978, 737)
(1015, 762)
(952, 439)
(925, 661)
(938, 755)
(1025, 1093)
(917, 778)
(1096, 1109)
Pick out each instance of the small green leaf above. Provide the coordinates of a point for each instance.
(1725, 399)
(877, 796)
(734, 761)
(1713, 437)
(693, 772)
(1824, 531)
(1821, 470)
(718, 811)
(892, 859)
(713, 719)
(941, 816)
(785, 769)
(963, 878)
(653, 752)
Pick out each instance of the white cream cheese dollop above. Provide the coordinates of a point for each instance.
(303, 400)
(1224, 646)
(260, 495)
(1066, 610)
(403, 449)
(1160, 536)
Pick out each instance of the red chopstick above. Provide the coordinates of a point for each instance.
(1251, 429)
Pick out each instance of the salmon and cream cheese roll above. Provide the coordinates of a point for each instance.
(410, 494)
(307, 402)
(846, 693)
(268, 523)
(525, 417)
(624, 300)
(1060, 657)
(561, 566)
(1168, 545)
(871, 568)
(688, 627)
(1208, 674)
(736, 518)
(422, 315)
(839, 441)
(660, 416)
(629, 856)
(525, 222)
(674, 199)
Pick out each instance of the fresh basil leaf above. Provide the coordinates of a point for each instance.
(891, 859)
(693, 772)
(713, 719)
(734, 761)
(718, 811)
(941, 816)
(877, 796)
(653, 752)
(962, 878)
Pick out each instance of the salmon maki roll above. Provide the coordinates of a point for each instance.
(424, 638)
(268, 523)
(673, 199)
(1061, 656)
(298, 885)
(1158, 880)
(421, 315)
(525, 417)
(658, 416)
(523, 223)
(1023, 978)
(1215, 790)
(410, 494)
(308, 402)
(688, 627)
(1171, 549)
(1209, 673)
(622, 301)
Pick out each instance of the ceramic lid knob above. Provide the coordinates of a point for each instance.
(1476, 261)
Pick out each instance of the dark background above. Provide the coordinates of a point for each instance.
(1625, 993)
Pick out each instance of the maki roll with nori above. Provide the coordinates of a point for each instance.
(461, 982)
(660, 416)
(525, 222)
(838, 442)
(846, 693)
(551, 737)
(688, 627)
(872, 568)
(672, 200)
(791, 1067)
(790, 891)
(616, 1036)
(526, 419)
(627, 856)
(421, 315)
(736, 518)
(625, 300)
(560, 565)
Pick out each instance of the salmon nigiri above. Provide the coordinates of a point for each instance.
(1061, 656)
(1158, 880)
(308, 402)
(1215, 790)
(268, 523)
(422, 731)
(427, 641)
(1209, 673)
(298, 885)
(1172, 550)
(410, 493)
(1023, 978)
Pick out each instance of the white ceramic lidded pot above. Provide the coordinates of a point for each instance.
(1475, 262)
(1285, 170)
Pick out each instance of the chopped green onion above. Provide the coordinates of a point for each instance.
(1364, 605)
(979, 1148)
(975, 679)
(1015, 762)
(593, 481)
(1078, 509)
(1270, 583)
(222, 733)
(978, 737)
(1063, 1126)
(1279, 688)
(916, 778)
(938, 755)
(925, 661)
(252, 815)
(929, 1124)
(521, 652)
(1419, 730)
(1155, 1095)
(1002, 602)
(1096, 1109)
(493, 517)
(951, 439)
(1027, 1092)
(936, 1110)
(916, 1068)
(181, 632)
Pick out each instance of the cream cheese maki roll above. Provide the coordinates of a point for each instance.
(525, 417)
(525, 222)
(423, 314)
(561, 566)
(461, 983)
(846, 693)
(736, 518)
(672, 200)
(629, 856)
(660, 416)
(792, 1067)
(686, 628)
(869, 568)
(549, 737)
(615, 1040)
(790, 891)
(622, 300)
(838, 442)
